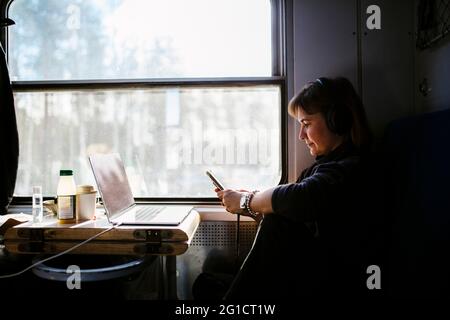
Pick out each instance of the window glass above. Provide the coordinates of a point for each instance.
(167, 137)
(125, 39)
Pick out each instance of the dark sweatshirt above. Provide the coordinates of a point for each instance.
(326, 189)
(330, 199)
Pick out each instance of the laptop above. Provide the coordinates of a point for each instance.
(112, 182)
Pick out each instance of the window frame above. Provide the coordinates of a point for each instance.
(278, 78)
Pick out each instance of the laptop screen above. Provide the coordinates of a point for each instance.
(112, 182)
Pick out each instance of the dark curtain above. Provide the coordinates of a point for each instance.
(9, 138)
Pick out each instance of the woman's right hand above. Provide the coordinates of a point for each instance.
(230, 200)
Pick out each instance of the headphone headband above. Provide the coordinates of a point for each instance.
(322, 81)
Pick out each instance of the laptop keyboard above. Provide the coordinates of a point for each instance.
(147, 213)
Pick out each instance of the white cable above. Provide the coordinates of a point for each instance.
(57, 255)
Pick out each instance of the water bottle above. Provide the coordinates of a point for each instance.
(38, 210)
(66, 193)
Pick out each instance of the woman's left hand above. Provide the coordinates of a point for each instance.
(230, 199)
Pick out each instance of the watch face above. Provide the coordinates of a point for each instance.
(242, 202)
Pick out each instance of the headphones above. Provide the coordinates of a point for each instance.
(337, 116)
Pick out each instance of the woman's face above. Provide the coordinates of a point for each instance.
(314, 131)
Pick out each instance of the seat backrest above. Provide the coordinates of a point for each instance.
(416, 153)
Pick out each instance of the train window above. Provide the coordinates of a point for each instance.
(175, 86)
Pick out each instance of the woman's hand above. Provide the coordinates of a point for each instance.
(260, 203)
(231, 199)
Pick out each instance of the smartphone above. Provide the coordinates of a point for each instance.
(214, 180)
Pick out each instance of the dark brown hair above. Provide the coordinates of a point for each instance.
(335, 95)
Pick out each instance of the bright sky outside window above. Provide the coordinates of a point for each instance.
(101, 39)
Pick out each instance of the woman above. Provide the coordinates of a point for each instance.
(319, 220)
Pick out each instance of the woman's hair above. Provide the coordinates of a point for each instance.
(340, 105)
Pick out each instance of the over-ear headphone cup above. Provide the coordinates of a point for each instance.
(330, 118)
(338, 119)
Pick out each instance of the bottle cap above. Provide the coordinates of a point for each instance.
(37, 189)
(66, 172)
(85, 189)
